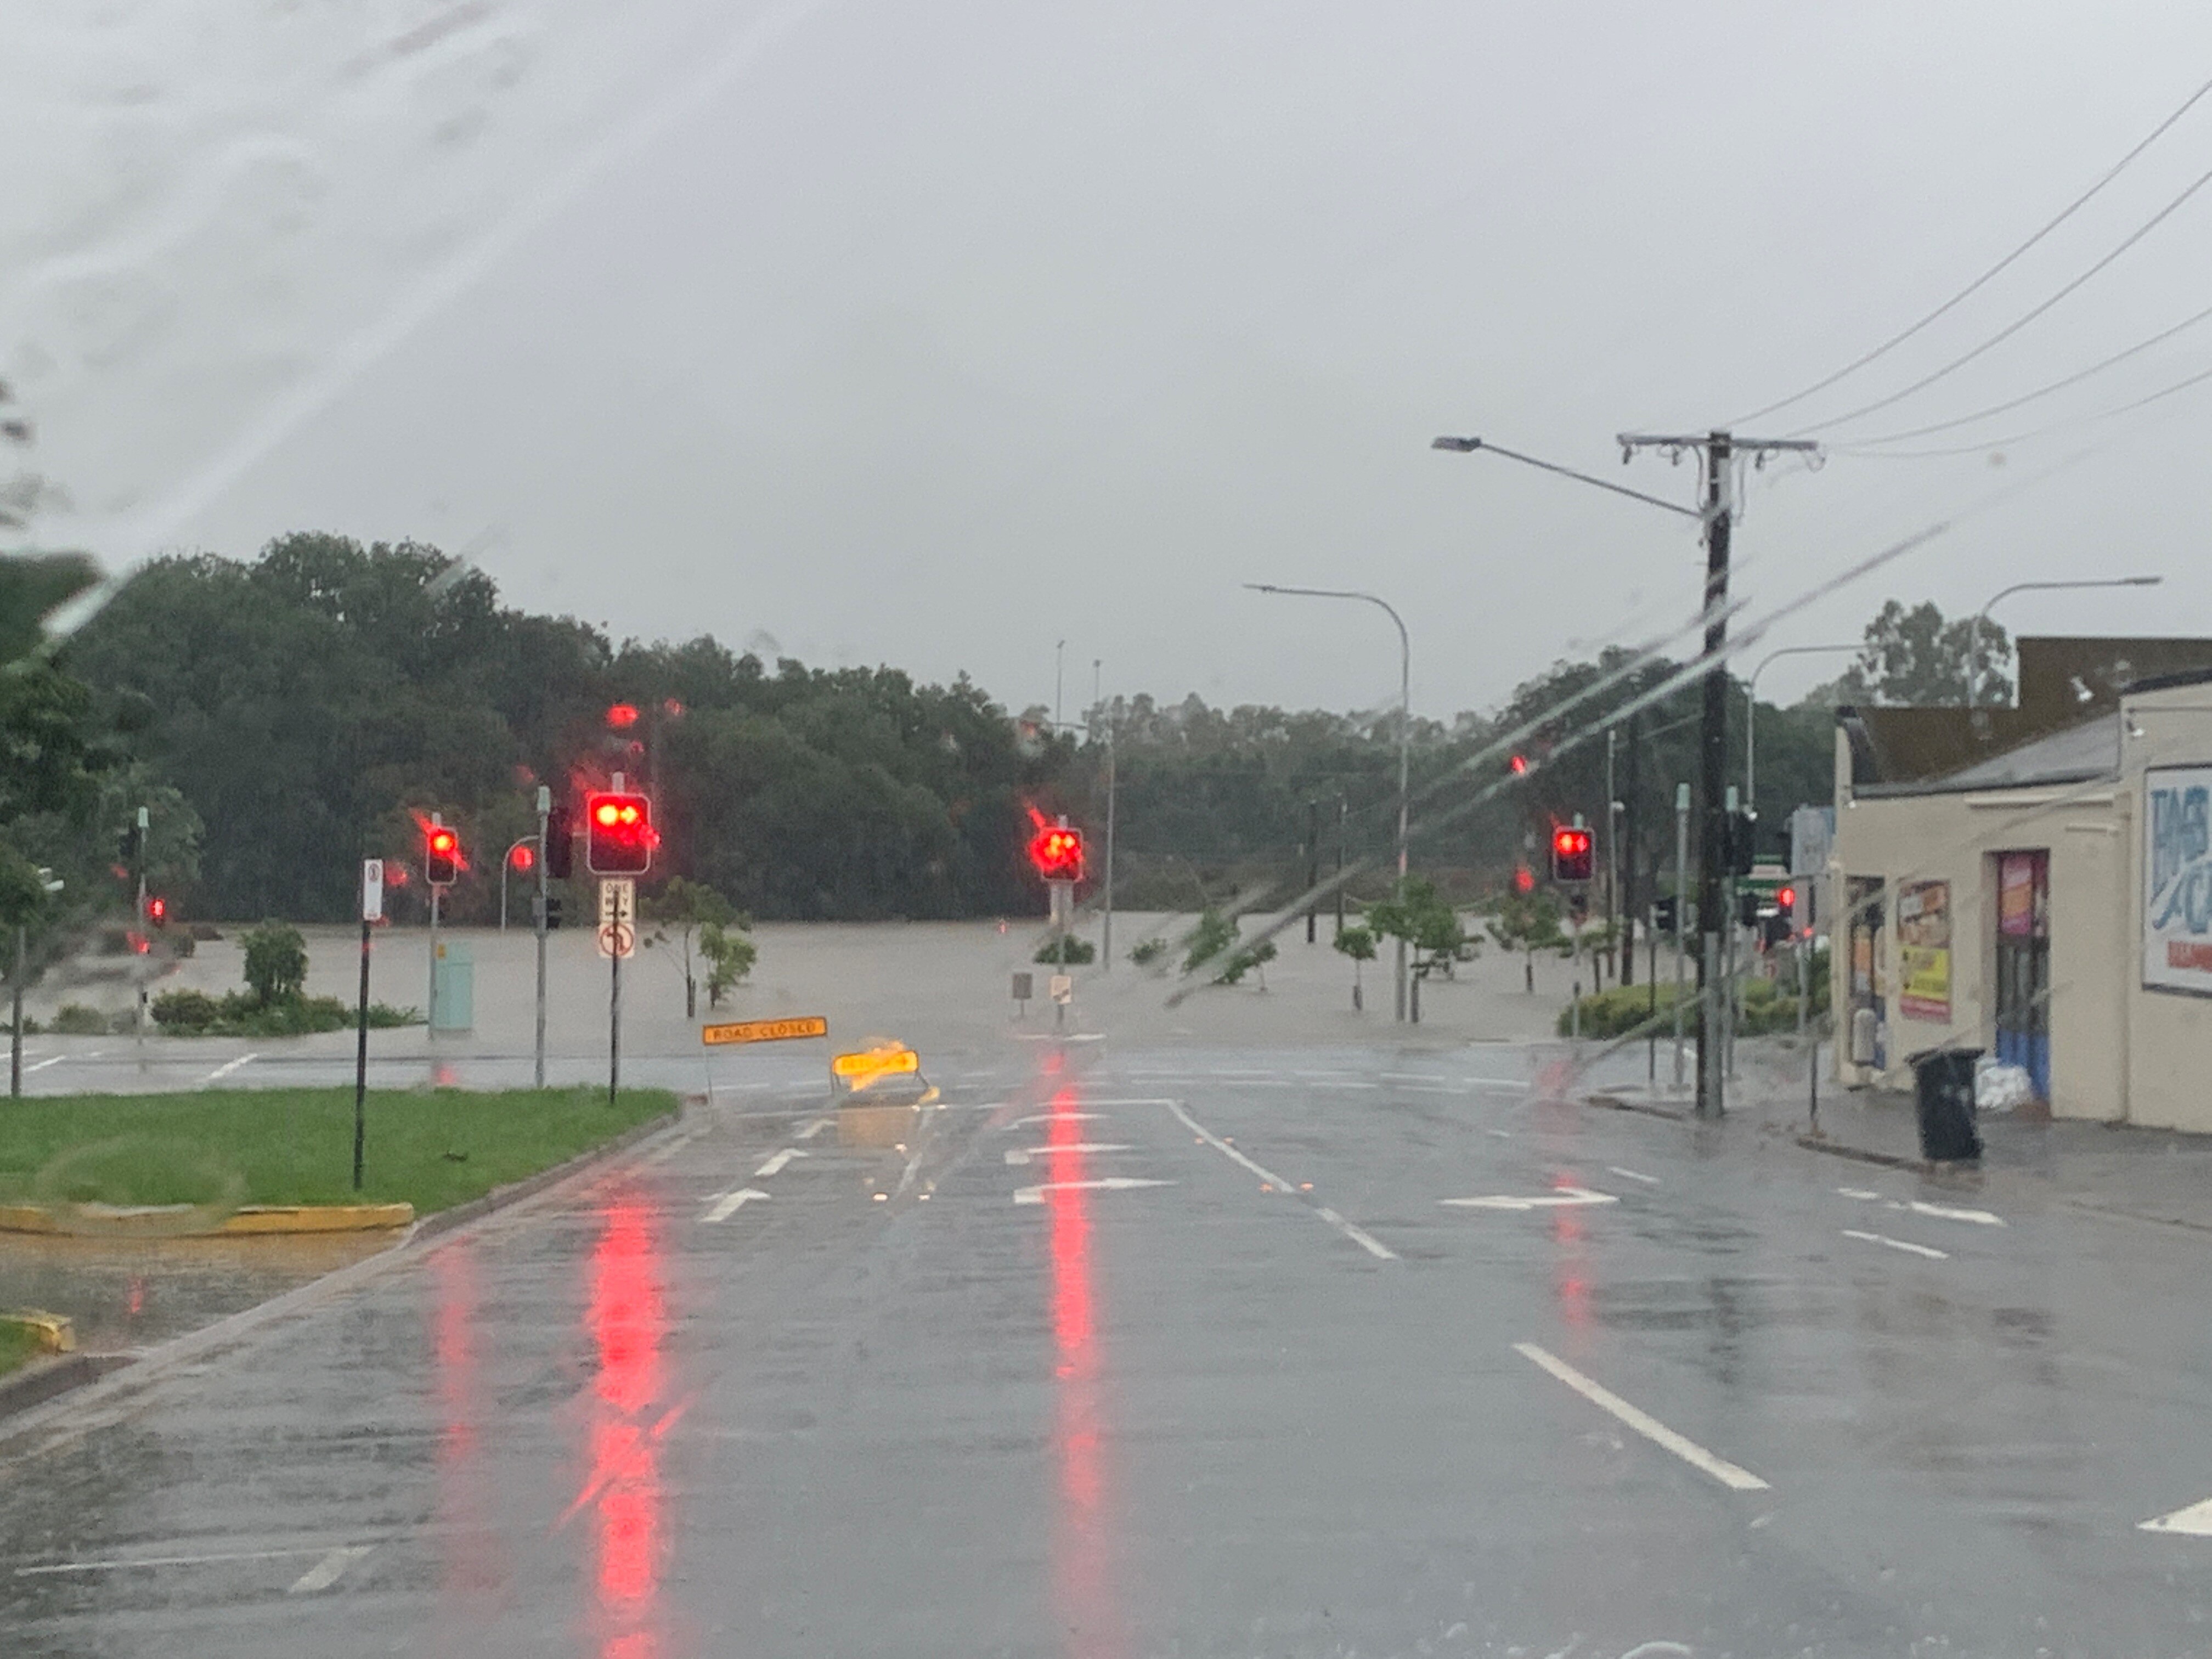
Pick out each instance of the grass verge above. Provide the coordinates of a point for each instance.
(432, 1148)
(18, 1348)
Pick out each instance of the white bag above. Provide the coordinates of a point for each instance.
(2000, 1088)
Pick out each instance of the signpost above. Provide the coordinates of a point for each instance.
(765, 1030)
(618, 940)
(372, 912)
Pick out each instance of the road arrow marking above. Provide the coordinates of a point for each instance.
(1024, 1155)
(1565, 1198)
(728, 1204)
(1980, 1217)
(1061, 1117)
(327, 1571)
(814, 1128)
(1104, 1184)
(2195, 1520)
(1898, 1244)
(1630, 1175)
(775, 1164)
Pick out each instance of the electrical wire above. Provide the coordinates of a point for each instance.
(2075, 379)
(2197, 379)
(1974, 287)
(2019, 322)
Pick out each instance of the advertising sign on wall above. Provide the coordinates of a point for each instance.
(1923, 950)
(2177, 915)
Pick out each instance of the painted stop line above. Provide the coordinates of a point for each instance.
(1103, 1184)
(1020, 1155)
(1563, 1198)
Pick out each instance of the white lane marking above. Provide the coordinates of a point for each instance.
(1103, 1184)
(1729, 1475)
(1019, 1155)
(1898, 1244)
(1565, 1198)
(1366, 1241)
(327, 1571)
(1127, 1100)
(1857, 1192)
(777, 1161)
(815, 1127)
(229, 1066)
(42, 1065)
(120, 1563)
(1630, 1175)
(1059, 1117)
(1945, 1212)
(1496, 1082)
(1359, 1236)
(2195, 1521)
(729, 1203)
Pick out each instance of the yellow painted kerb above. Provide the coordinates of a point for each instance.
(253, 1218)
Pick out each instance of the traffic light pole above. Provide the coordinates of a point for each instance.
(614, 1009)
(145, 823)
(544, 814)
(1681, 911)
(360, 1060)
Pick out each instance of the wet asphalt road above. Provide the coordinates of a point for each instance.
(1709, 1393)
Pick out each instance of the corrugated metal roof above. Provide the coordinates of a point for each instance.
(2080, 754)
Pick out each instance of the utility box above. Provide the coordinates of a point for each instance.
(454, 1007)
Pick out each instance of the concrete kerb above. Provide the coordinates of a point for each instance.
(31, 1396)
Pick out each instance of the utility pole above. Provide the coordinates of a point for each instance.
(1629, 909)
(545, 857)
(1313, 866)
(1612, 866)
(1720, 451)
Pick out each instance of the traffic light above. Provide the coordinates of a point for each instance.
(157, 909)
(1746, 908)
(1057, 852)
(1742, 830)
(552, 914)
(1662, 913)
(618, 837)
(441, 854)
(560, 844)
(1574, 856)
(522, 856)
(1519, 765)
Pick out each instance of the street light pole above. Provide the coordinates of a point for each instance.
(1974, 633)
(1751, 713)
(1405, 724)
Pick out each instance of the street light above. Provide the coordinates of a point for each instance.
(1974, 633)
(1751, 712)
(1404, 721)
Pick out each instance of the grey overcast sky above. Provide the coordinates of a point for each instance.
(931, 334)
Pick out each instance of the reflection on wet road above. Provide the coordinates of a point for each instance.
(1092, 1382)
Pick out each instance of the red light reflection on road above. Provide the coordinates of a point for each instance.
(1570, 1266)
(1082, 1535)
(627, 1322)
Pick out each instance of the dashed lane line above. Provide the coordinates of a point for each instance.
(1020, 1155)
(1630, 1175)
(229, 1066)
(328, 1571)
(1906, 1245)
(1731, 1475)
(1359, 1235)
(1102, 1184)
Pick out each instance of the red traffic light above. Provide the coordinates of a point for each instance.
(622, 715)
(1785, 898)
(1520, 765)
(618, 834)
(1057, 852)
(1573, 856)
(157, 910)
(441, 854)
(523, 857)
(1524, 879)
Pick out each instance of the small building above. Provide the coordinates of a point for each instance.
(2035, 881)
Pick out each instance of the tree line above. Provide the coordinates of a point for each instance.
(286, 715)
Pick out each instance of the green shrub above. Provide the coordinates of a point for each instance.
(1148, 952)
(74, 1019)
(1080, 952)
(185, 1011)
(1767, 1007)
(276, 962)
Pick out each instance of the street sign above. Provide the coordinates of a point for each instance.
(765, 1030)
(617, 901)
(371, 889)
(1062, 987)
(618, 940)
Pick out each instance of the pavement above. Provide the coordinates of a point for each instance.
(1374, 1343)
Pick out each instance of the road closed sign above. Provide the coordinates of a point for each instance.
(765, 1030)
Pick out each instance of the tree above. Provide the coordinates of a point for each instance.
(729, 954)
(1914, 657)
(276, 962)
(1529, 922)
(1422, 917)
(1357, 940)
(688, 907)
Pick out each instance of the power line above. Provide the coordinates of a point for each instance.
(1974, 287)
(1987, 444)
(2022, 321)
(2075, 379)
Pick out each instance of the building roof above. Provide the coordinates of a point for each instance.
(2080, 754)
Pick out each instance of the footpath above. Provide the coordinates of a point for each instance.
(2150, 1175)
